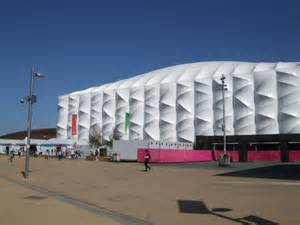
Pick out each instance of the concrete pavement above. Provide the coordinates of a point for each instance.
(165, 196)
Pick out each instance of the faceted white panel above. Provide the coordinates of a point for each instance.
(136, 113)
(173, 74)
(289, 101)
(108, 114)
(122, 107)
(218, 106)
(159, 75)
(96, 109)
(204, 114)
(281, 66)
(243, 104)
(62, 119)
(243, 68)
(185, 111)
(167, 107)
(73, 110)
(84, 116)
(151, 120)
(266, 105)
(264, 67)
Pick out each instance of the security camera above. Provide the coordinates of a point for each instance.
(22, 100)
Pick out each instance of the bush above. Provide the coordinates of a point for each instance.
(91, 158)
(106, 158)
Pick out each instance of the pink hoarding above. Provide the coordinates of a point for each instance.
(270, 155)
(234, 155)
(174, 156)
(294, 155)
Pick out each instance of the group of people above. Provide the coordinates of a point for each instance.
(60, 154)
(95, 153)
(147, 158)
(11, 154)
(75, 154)
(72, 154)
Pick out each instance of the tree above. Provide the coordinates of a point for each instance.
(114, 136)
(95, 137)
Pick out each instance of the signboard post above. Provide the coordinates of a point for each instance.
(74, 125)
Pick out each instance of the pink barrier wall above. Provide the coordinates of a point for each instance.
(294, 155)
(234, 155)
(270, 155)
(173, 156)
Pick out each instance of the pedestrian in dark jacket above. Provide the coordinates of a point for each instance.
(147, 159)
(11, 156)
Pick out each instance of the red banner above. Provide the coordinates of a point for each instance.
(74, 124)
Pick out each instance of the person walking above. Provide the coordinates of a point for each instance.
(60, 155)
(11, 155)
(96, 154)
(78, 154)
(72, 154)
(47, 154)
(147, 159)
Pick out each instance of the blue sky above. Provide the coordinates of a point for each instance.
(79, 44)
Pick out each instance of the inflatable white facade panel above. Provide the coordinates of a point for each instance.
(122, 107)
(136, 112)
(62, 119)
(185, 111)
(266, 105)
(151, 119)
(73, 110)
(203, 95)
(96, 109)
(167, 107)
(218, 106)
(180, 102)
(243, 104)
(289, 101)
(108, 114)
(84, 116)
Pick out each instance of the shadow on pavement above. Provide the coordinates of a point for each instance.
(35, 197)
(199, 207)
(283, 172)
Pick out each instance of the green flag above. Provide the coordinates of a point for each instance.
(126, 122)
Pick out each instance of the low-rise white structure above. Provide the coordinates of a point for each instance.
(41, 145)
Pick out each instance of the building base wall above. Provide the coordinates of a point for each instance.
(273, 147)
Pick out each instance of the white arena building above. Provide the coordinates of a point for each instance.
(178, 103)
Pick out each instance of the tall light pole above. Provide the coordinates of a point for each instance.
(224, 86)
(30, 99)
(225, 159)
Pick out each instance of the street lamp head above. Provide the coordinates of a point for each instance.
(38, 74)
(22, 100)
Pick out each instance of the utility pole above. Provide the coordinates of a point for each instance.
(29, 120)
(30, 99)
(225, 160)
(224, 121)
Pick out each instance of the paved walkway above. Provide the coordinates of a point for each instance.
(20, 204)
(122, 193)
